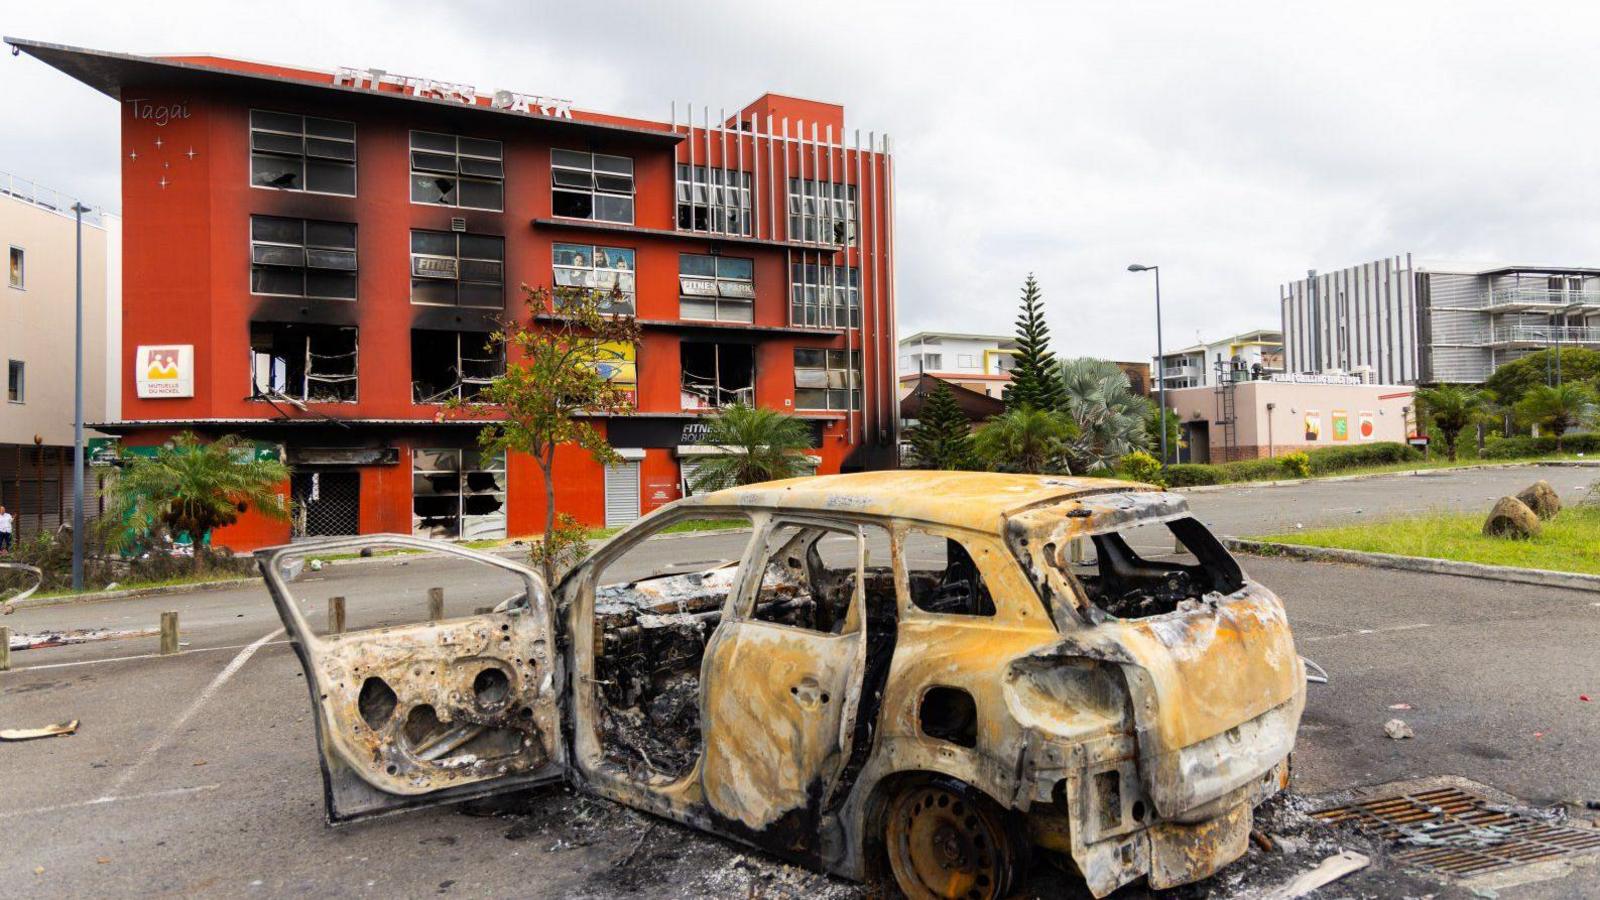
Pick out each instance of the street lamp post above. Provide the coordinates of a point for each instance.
(1161, 360)
(77, 418)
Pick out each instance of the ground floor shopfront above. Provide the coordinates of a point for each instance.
(431, 480)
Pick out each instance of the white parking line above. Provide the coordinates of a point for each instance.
(216, 684)
(1360, 632)
(100, 801)
(112, 659)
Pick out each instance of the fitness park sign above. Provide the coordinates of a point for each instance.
(380, 80)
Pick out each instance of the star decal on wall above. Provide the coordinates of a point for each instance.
(191, 154)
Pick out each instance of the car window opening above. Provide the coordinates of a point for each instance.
(943, 577)
(1145, 570)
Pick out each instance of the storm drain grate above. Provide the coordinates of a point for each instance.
(1453, 832)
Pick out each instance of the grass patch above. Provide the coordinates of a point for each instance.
(180, 581)
(1568, 543)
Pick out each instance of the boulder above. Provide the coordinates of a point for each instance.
(1541, 498)
(1511, 518)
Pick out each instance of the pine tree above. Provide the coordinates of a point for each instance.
(1034, 381)
(942, 437)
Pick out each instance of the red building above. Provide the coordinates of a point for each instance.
(315, 259)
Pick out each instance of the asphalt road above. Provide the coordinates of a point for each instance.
(197, 774)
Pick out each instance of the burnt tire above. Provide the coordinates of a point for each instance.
(945, 840)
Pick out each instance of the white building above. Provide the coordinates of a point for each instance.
(1417, 322)
(1239, 357)
(37, 313)
(979, 362)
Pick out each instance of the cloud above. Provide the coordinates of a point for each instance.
(1234, 144)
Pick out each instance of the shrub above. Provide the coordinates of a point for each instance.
(1296, 464)
(1193, 475)
(1251, 470)
(1141, 466)
(1326, 460)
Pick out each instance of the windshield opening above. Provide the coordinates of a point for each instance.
(1151, 568)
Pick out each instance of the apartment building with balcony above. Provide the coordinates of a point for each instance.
(977, 362)
(316, 259)
(1402, 321)
(1250, 354)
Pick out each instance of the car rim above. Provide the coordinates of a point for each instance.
(942, 844)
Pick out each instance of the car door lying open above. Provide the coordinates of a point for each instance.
(461, 703)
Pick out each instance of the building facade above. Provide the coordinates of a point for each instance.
(1250, 419)
(37, 326)
(316, 260)
(977, 362)
(1400, 321)
(1256, 353)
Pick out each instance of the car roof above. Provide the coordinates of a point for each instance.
(978, 500)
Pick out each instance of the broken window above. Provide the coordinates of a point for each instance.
(720, 199)
(717, 375)
(457, 171)
(458, 494)
(827, 379)
(591, 186)
(456, 269)
(302, 258)
(942, 576)
(654, 615)
(1152, 568)
(822, 211)
(607, 270)
(302, 363)
(302, 153)
(716, 288)
(446, 364)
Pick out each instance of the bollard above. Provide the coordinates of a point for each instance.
(435, 604)
(5, 648)
(169, 633)
(336, 615)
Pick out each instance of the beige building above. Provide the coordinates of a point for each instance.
(1251, 419)
(37, 232)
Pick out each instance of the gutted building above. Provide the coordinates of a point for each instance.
(317, 259)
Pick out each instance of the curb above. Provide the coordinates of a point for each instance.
(1405, 473)
(1422, 564)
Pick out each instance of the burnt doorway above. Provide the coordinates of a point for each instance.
(326, 504)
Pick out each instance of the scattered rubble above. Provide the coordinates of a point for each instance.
(77, 636)
(27, 734)
(1328, 871)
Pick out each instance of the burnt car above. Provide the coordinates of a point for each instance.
(932, 677)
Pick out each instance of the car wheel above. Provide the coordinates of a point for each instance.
(946, 840)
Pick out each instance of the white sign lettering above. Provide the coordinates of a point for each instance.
(374, 79)
(1311, 378)
(160, 114)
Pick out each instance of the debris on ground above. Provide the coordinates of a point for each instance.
(28, 734)
(1398, 729)
(1399, 706)
(1328, 871)
(77, 636)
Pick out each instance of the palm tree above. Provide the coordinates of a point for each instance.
(1451, 408)
(761, 444)
(1110, 417)
(1025, 439)
(1558, 409)
(192, 488)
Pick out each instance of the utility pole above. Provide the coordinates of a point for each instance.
(77, 418)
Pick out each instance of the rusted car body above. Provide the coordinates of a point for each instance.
(923, 675)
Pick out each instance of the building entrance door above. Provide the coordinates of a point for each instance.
(326, 504)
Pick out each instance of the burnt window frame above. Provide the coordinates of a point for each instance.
(306, 246)
(305, 154)
(706, 189)
(574, 169)
(459, 390)
(1214, 569)
(725, 291)
(304, 395)
(482, 159)
(414, 255)
(853, 622)
(750, 392)
(852, 389)
(975, 546)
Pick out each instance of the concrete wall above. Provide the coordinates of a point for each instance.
(1260, 432)
(37, 320)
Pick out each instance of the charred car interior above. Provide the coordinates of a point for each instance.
(928, 677)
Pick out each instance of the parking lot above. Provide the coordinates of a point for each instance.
(197, 774)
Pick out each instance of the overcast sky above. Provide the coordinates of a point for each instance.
(1235, 144)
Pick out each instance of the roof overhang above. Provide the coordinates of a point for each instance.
(111, 73)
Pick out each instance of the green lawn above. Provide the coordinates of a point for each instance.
(1568, 543)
